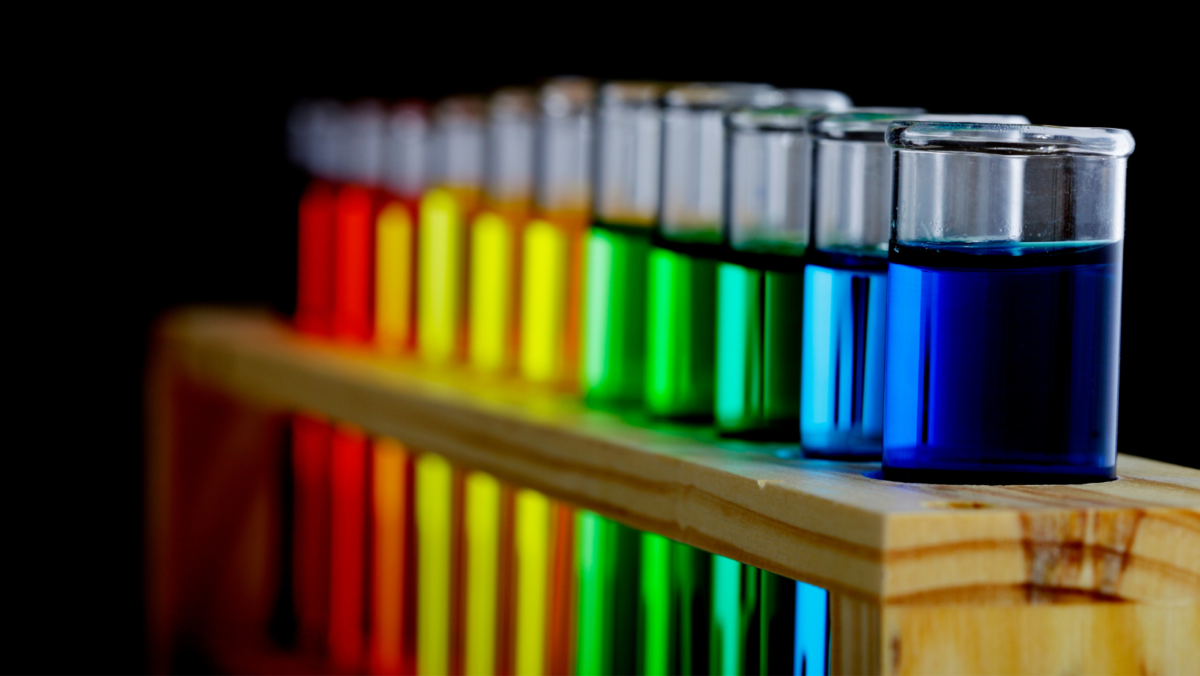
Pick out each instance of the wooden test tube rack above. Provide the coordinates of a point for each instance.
(1097, 578)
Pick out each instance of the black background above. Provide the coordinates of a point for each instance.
(195, 203)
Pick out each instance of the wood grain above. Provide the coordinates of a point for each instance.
(830, 524)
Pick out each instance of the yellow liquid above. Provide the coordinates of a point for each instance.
(492, 300)
(440, 292)
(482, 504)
(532, 548)
(393, 277)
(433, 485)
(551, 300)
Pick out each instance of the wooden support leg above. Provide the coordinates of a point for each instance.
(1013, 638)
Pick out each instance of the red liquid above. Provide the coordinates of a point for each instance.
(311, 438)
(314, 291)
(354, 264)
(349, 474)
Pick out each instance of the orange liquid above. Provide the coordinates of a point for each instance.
(350, 475)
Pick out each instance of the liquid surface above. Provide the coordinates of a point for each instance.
(841, 401)
(1003, 358)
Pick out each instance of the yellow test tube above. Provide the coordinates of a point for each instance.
(404, 154)
(434, 498)
(553, 248)
(457, 158)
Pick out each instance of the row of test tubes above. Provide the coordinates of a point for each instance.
(939, 291)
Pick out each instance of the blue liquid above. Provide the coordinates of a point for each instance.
(812, 631)
(841, 373)
(1002, 362)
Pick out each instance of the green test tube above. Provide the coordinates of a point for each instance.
(760, 280)
(673, 608)
(628, 162)
(682, 272)
(607, 560)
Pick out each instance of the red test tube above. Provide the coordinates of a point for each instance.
(359, 165)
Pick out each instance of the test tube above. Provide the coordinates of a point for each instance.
(628, 161)
(760, 281)
(681, 272)
(404, 179)
(845, 290)
(628, 165)
(553, 254)
(496, 231)
(457, 141)
(359, 156)
(311, 133)
(1004, 303)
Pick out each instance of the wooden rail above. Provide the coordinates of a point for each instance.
(1097, 577)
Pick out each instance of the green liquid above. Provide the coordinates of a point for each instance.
(607, 557)
(615, 322)
(758, 351)
(673, 618)
(735, 626)
(679, 334)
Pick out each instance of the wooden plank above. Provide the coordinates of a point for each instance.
(830, 524)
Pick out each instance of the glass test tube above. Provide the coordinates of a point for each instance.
(681, 282)
(404, 179)
(308, 128)
(629, 148)
(496, 232)
(553, 256)
(628, 163)
(1004, 303)
(495, 261)
(359, 154)
(456, 172)
(760, 281)
(845, 282)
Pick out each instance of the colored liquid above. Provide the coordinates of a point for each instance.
(673, 612)
(551, 292)
(757, 364)
(314, 289)
(311, 439)
(532, 555)
(812, 631)
(494, 293)
(680, 334)
(354, 265)
(777, 624)
(482, 524)
(615, 325)
(395, 277)
(841, 401)
(392, 625)
(349, 474)
(607, 563)
(1002, 362)
(441, 266)
(434, 500)
(734, 644)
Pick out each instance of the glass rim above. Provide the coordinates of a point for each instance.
(632, 93)
(859, 121)
(1009, 139)
(716, 95)
(772, 118)
(512, 101)
(566, 96)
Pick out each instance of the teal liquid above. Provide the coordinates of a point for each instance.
(841, 399)
(733, 638)
(757, 360)
(680, 328)
(614, 338)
